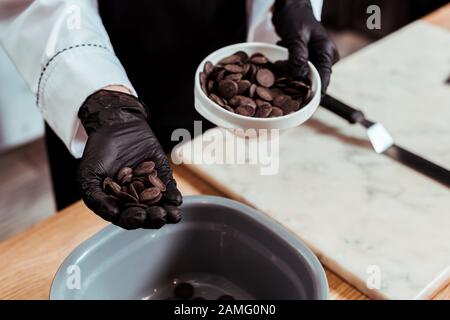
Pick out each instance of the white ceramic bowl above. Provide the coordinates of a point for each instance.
(223, 118)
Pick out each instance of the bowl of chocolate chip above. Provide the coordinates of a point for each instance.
(248, 86)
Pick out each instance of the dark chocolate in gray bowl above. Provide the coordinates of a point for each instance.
(221, 247)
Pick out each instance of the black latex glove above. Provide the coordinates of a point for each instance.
(119, 136)
(305, 38)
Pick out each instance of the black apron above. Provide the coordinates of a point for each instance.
(160, 44)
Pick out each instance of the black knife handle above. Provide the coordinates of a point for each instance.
(341, 109)
(420, 164)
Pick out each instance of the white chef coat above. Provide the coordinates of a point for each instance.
(63, 52)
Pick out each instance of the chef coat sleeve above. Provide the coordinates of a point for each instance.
(259, 13)
(63, 52)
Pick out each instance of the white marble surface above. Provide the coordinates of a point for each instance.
(355, 208)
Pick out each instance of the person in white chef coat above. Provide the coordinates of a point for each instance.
(113, 79)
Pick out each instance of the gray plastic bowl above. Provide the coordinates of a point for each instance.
(221, 247)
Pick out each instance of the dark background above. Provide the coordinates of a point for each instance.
(351, 14)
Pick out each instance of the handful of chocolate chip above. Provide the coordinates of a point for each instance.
(254, 86)
(141, 188)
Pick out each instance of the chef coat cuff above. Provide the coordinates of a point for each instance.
(67, 80)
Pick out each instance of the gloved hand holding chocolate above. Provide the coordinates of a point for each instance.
(124, 174)
(305, 38)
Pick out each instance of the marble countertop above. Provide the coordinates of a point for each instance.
(378, 224)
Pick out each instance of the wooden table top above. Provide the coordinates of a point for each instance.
(440, 17)
(29, 260)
